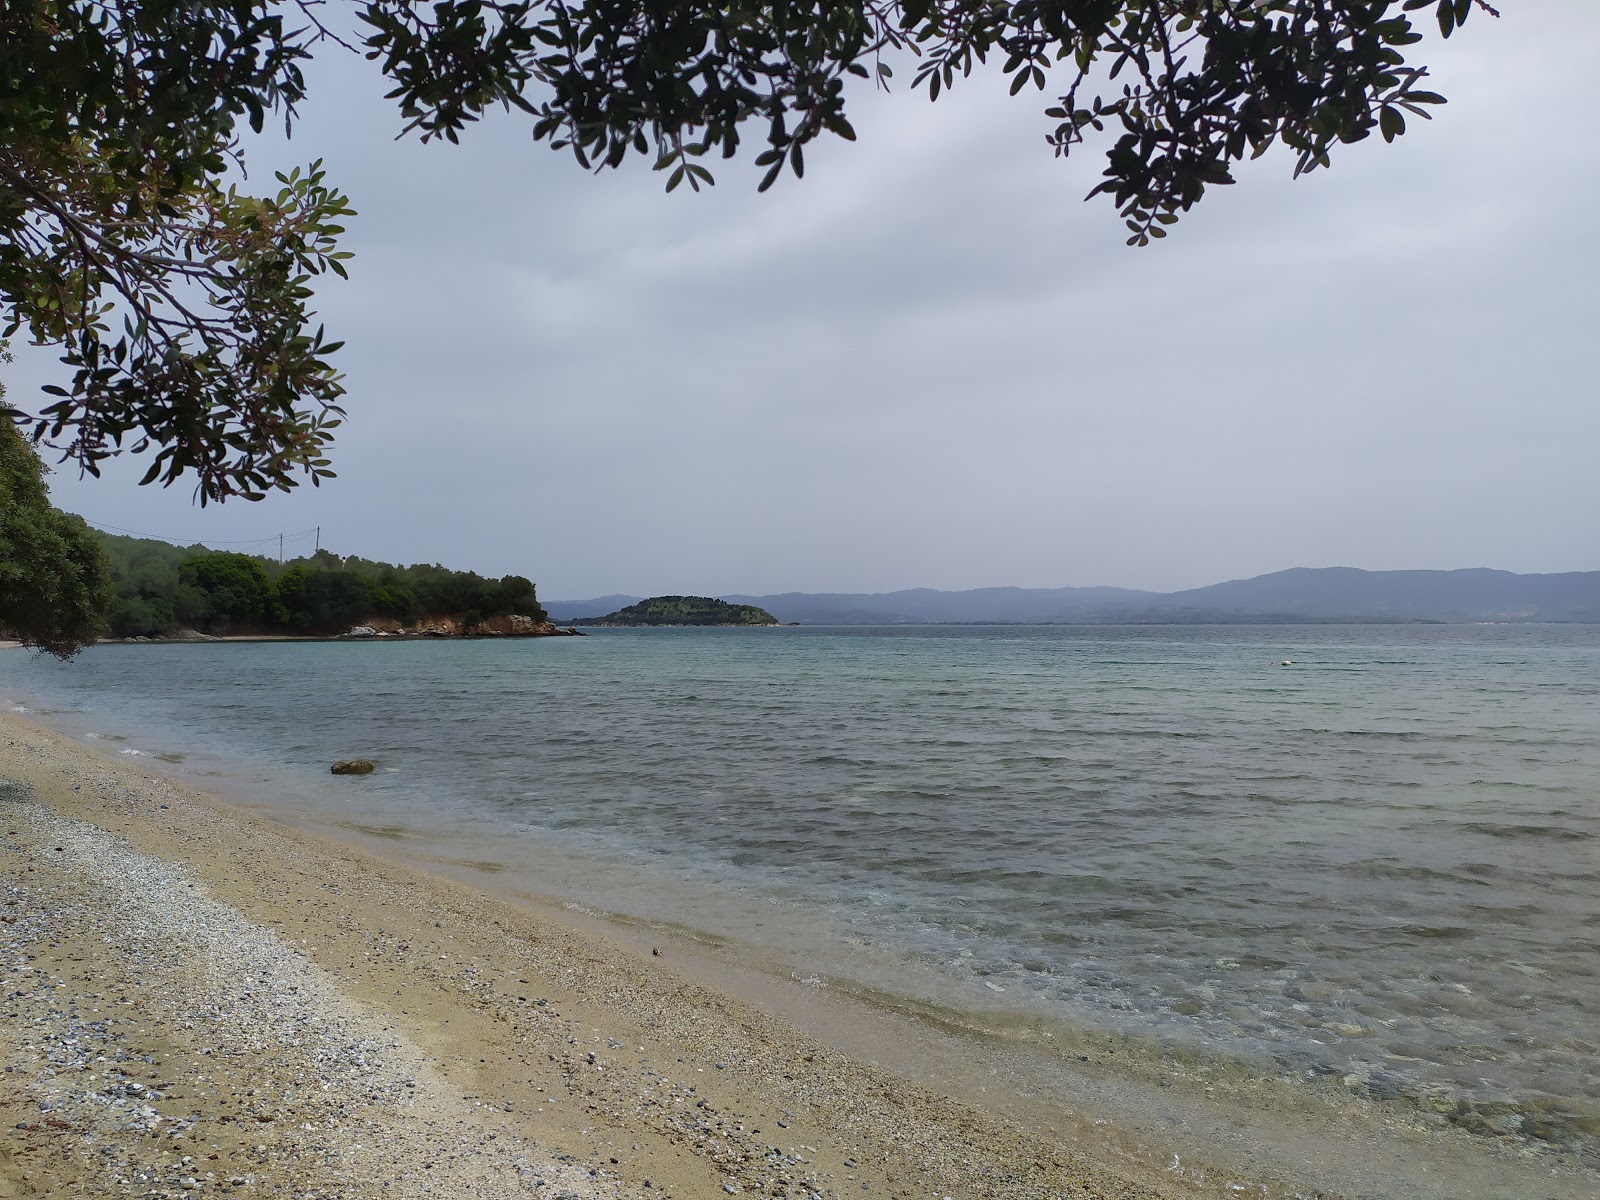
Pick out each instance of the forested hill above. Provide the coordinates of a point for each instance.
(684, 610)
(161, 590)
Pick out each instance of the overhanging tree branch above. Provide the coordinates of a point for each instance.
(119, 120)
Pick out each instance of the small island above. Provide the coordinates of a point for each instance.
(684, 610)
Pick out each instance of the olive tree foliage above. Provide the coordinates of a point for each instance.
(55, 580)
(1180, 89)
(180, 301)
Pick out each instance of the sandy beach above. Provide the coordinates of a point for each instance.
(202, 1001)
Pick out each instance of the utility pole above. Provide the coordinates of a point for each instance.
(280, 549)
(319, 539)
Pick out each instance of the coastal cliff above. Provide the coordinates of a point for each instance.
(507, 625)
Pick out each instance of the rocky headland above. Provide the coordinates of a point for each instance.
(511, 625)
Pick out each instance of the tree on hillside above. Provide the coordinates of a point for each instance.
(180, 303)
(55, 583)
(235, 586)
(147, 597)
(317, 598)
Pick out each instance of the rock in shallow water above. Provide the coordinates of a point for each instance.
(352, 766)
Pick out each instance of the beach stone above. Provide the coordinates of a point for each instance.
(1436, 1097)
(1385, 1085)
(352, 766)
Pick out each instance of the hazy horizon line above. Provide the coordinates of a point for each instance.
(1072, 586)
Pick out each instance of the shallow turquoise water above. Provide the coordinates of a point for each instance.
(1379, 862)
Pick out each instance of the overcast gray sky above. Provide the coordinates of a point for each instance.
(929, 363)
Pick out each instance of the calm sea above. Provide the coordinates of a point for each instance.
(1379, 864)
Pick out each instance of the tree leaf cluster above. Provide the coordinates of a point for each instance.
(180, 303)
(55, 580)
(1180, 89)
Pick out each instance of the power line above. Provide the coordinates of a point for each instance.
(314, 531)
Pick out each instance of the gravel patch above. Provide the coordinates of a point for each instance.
(172, 1048)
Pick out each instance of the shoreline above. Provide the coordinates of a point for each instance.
(750, 1047)
(554, 1041)
(194, 639)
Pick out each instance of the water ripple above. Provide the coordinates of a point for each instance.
(1380, 864)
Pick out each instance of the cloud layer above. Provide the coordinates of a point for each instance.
(929, 363)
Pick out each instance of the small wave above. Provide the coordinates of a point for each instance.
(1398, 735)
(129, 750)
(388, 832)
(484, 865)
(1520, 785)
(1389, 868)
(1558, 833)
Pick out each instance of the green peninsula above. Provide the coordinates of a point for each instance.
(684, 610)
(160, 591)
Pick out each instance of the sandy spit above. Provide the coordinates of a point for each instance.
(200, 1001)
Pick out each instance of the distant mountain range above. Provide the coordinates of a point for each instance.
(1300, 595)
